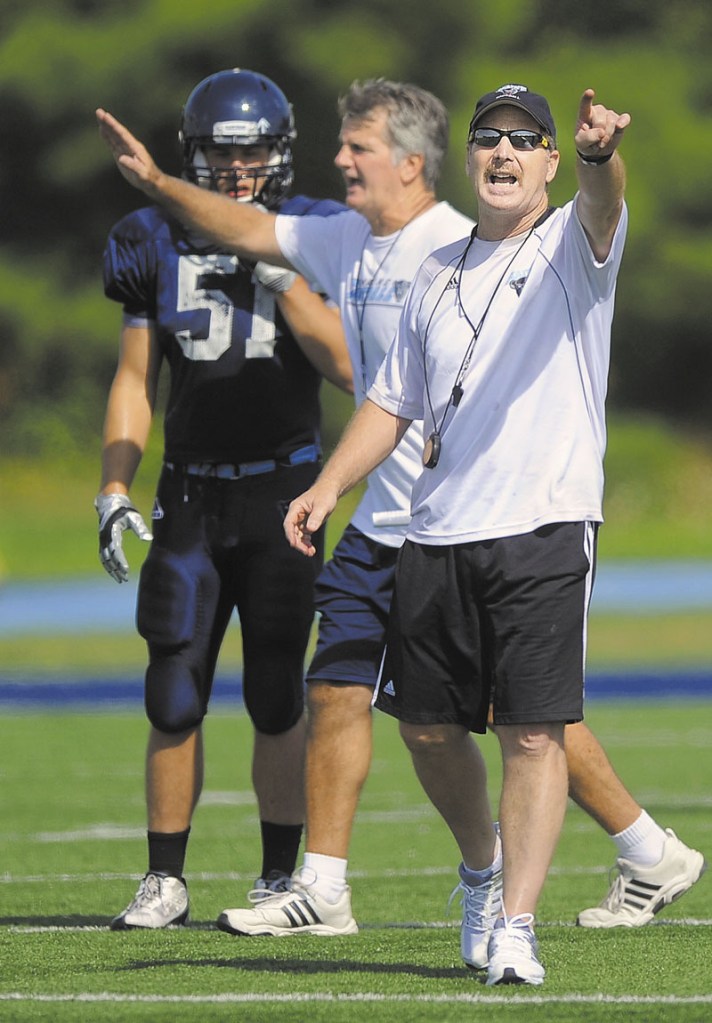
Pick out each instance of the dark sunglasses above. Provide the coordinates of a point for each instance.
(520, 138)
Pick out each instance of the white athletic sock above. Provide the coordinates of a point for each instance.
(476, 877)
(642, 842)
(330, 873)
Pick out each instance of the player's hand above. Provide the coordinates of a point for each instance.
(305, 515)
(274, 278)
(598, 130)
(131, 157)
(116, 513)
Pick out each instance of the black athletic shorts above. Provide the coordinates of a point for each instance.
(500, 620)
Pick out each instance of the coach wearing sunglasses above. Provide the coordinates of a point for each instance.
(503, 352)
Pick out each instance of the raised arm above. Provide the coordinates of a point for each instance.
(237, 227)
(368, 439)
(600, 171)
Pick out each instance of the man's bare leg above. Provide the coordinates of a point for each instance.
(174, 778)
(594, 785)
(532, 808)
(450, 767)
(339, 747)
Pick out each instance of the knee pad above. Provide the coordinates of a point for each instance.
(167, 601)
(272, 712)
(174, 702)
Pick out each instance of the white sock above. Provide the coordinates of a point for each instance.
(330, 873)
(642, 842)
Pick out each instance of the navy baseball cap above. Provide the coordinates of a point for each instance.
(516, 96)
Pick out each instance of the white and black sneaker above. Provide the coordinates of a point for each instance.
(638, 893)
(161, 901)
(513, 952)
(300, 910)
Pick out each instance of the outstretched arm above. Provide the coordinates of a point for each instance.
(369, 438)
(237, 227)
(599, 132)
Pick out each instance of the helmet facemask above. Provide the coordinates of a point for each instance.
(270, 181)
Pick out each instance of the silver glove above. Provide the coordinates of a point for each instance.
(116, 513)
(274, 278)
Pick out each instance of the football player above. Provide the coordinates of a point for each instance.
(246, 345)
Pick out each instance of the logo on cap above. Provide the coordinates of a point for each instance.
(511, 90)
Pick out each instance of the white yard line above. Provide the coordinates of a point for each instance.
(363, 997)
(414, 925)
(228, 875)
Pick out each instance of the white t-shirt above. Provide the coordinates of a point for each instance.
(368, 277)
(525, 445)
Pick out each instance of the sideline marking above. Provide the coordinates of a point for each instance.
(416, 925)
(235, 999)
(229, 875)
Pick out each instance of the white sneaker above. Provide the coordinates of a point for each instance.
(638, 893)
(481, 905)
(275, 881)
(513, 952)
(301, 910)
(160, 901)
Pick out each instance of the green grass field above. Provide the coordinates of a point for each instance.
(72, 845)
(72, 834)
(657, 505)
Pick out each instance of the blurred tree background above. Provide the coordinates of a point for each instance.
(59, 59)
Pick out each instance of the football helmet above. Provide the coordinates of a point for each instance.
(239, 108)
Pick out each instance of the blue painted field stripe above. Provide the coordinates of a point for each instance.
(94, 692)
(105, 693)
(94, 604)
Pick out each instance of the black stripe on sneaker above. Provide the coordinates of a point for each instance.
(644, 886)
(639, 893)
(302, 914)
(637, 903)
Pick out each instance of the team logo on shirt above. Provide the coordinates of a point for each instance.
(379, 291)
(517, 280)
(158, 511)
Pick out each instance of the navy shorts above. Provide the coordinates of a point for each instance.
(353, 597)
(500, 620)
(219, 545)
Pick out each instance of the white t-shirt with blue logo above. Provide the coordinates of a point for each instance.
(368, 278)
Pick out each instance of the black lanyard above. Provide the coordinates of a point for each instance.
(431, 451)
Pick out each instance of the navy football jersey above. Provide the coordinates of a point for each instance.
(241, 389)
